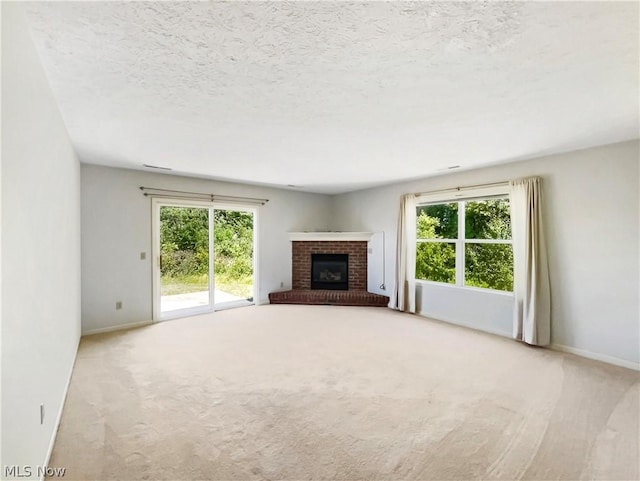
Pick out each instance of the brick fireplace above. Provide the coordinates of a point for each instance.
(353, 246)
(302, 252)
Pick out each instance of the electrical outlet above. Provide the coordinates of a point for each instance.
(41, 413)
(282, 284)
(143, 256)
(118, 305)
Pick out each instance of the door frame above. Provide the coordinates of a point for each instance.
(156, 204)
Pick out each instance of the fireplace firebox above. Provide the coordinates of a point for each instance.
(330, 271)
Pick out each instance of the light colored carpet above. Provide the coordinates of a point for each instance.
(325, 392)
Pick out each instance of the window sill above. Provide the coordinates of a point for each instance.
(465, 288)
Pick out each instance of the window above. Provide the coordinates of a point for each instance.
(465, 243)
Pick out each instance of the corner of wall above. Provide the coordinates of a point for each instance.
(40, 216)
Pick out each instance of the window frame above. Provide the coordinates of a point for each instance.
(461, 198)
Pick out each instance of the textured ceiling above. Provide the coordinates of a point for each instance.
(337, 96)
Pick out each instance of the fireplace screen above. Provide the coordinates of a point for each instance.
(330, 271)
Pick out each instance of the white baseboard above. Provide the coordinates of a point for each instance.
(556, 347)
(116, 328)
(597, 357)
(56, 425)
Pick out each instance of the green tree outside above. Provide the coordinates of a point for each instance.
(184, 245)
(233, 245)
(486, 265)
(436, 261)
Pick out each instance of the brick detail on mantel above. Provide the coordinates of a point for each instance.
(301, 261)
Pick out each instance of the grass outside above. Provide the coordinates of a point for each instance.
(198, 283)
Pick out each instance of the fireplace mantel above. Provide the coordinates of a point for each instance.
(305, 246)
(330, 236)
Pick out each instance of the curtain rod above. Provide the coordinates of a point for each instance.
(458, 189)
(180, 194)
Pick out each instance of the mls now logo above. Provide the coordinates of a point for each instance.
(26, 471)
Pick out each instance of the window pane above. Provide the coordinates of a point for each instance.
(184, 250)
(489, 266)
(436, 261)
(487, 219)
(438, 221)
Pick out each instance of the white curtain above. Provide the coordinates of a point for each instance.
(404, 295)
(532, 314)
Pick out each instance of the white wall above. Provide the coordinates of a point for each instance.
(116, 228)
(591, 211)
(40, 250)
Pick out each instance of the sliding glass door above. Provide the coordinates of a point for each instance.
(234, 260)
(205, 258)
(183, 253)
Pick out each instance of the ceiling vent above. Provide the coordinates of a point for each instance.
(157, 167)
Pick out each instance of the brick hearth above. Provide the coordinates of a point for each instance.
(337, 298)
(302, 293)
